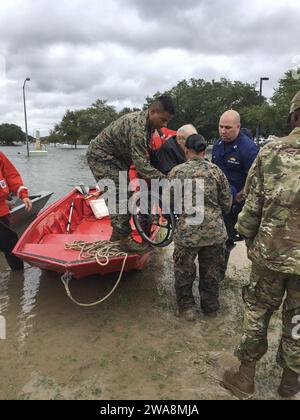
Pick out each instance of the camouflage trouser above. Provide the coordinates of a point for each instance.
(263, 296)
(211, 262)
(103, 168)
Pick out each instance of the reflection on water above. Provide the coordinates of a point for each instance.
(58, 171)
(18, 297)
(27, 303)
(4, 298)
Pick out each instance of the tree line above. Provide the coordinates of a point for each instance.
(201, 103)
(198, 102)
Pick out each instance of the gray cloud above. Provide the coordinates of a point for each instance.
(76, 52)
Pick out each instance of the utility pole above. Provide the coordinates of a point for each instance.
(259, 103)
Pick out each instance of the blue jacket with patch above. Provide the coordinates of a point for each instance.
(235, 159)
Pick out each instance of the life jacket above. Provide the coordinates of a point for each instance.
(160, 137)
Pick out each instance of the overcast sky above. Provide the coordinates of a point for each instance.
(76, 51)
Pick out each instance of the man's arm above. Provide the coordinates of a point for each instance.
(249, 156)
(15, 182)
(250, 218)
(224, 192)
(140, 156)
(13, 179)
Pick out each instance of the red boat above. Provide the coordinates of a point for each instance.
(68, 220)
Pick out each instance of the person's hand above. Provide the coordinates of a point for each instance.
(240, 197)
(28, 204)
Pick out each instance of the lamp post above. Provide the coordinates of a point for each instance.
(25, 114)
(259, 103)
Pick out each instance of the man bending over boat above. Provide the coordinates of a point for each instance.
(10, 182)
(123, 143)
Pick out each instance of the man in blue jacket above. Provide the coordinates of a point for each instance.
(234, 153)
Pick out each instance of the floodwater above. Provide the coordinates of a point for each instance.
(130, 347)
(58, 171)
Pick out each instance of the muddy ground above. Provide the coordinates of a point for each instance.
(130, 347)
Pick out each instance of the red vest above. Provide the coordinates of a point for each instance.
(10, 181)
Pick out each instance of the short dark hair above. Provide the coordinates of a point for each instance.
(164, 103)
(196, 142)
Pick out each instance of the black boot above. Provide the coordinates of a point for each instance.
(128, 244)
(116, 236)
(290, 384)
(229, 246)
(241, 383)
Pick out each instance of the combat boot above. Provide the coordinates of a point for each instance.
(241, 383)
(188, 314)
(116, 236)
(128, 244)
(290, 385)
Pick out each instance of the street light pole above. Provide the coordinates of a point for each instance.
(259, 103)
(25, 114)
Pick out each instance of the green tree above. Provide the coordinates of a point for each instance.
(201, 103)
(127, 110)
(262, 115)
(272, 117)
(288, 86)
(10, 133)
(69, 129)
(53, 137)
(198, 102)
(85, 124)
(95, 118)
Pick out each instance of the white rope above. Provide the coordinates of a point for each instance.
(100, 250)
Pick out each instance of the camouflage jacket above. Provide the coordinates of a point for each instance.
(271, 215)
(210, 230)
(126, 141)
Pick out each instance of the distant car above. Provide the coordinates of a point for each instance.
(263, 141)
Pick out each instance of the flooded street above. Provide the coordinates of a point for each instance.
(130, 347)
(58, 171)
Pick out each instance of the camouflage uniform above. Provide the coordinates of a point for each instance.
(205, 240)
(122, 143)
(270, 221)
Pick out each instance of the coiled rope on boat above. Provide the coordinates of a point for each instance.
(101, 251)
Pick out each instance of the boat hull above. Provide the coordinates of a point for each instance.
(43, 243)
(19, 215)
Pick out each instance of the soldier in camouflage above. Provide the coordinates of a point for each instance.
(205, 239)
(125, 142)
(270, 224)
